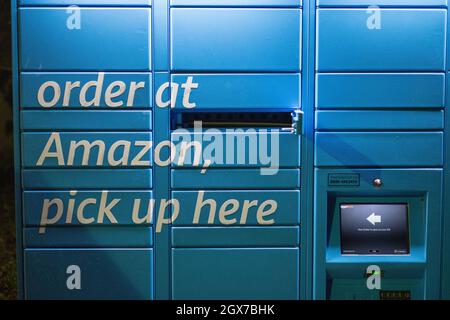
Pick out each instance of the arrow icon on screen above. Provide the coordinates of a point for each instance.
(373, 218)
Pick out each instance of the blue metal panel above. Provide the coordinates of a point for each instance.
(246, 146)
(89, 237)
(101, 30)
(161, 174)
(45, 179)
(243, 91)
(374, 149)
(128, 3)
(351, 289)
(445, 275)
(237, 3)
(226, 40)
(393, 3)
(235, 237)
(415, 267)
(380, 90)
(136, 93)
(445, 280)
(122, 210)
(235, 179)
(415, 38)
(160, 35)
(17, 144)
(287, 208)
(307, 176)
(235, 273)
(105, 273)
(379, 120)
(101, 149)
(86, 120)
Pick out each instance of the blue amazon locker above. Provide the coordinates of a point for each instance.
(322, 126)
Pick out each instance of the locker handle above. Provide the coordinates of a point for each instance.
(297, 122)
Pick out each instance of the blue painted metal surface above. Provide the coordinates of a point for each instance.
(162, 191)
(98, 149)
(346, 43)
(199, 45)
(287, 208)
(121, 211)
(392, 3)
(121, 3)
(237, 3)
(46, 268)
(380, 90)
(235, 237)
(86, 120)
(199, 272)
(89, 237)
(44, 179)
(243, 91)
(445, 287)
(243, 148)
(87, 89)
(372, 85)
(17, 144)
(379, 120)
(43, 28)
(374, 149)
(235, 179)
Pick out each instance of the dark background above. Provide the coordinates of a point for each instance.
(7, 227)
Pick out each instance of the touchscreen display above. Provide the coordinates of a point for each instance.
(374, 228)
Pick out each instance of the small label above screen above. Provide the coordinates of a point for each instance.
(369, 229)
